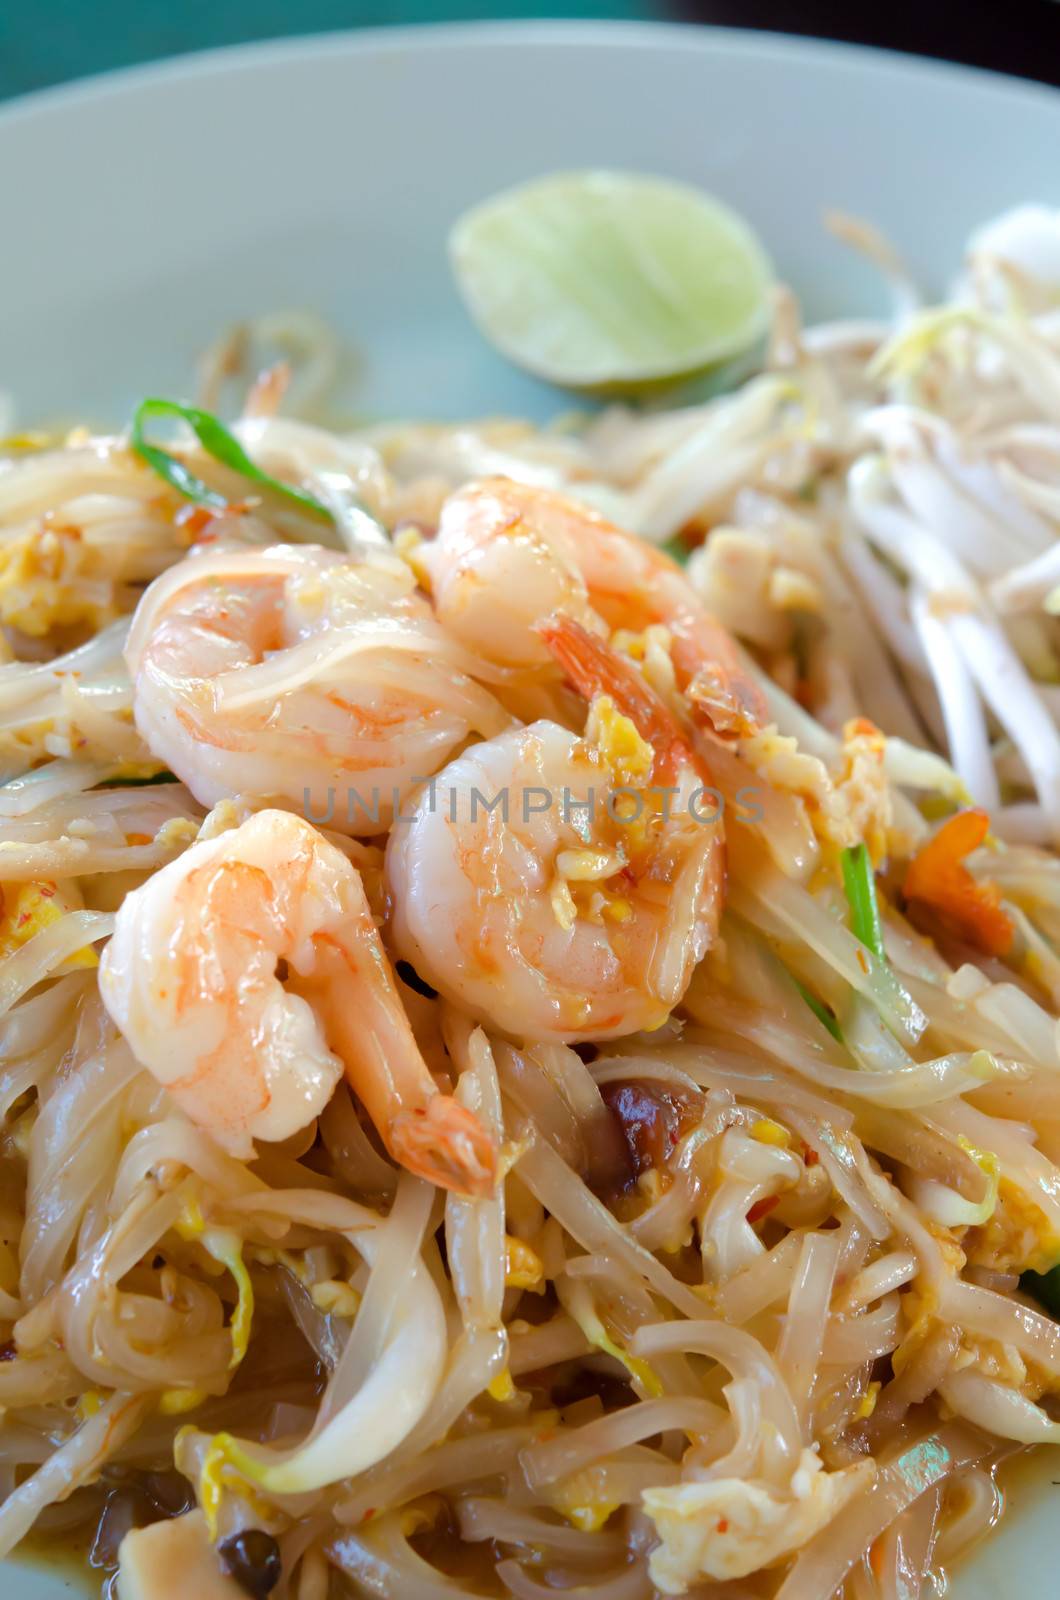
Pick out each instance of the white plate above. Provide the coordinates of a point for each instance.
(144, 212)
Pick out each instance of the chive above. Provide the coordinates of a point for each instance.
(820, 1011)
(860, 885)
(677, 549)
(1045, 1288)
(218, 443)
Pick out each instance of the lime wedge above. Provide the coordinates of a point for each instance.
(597, 280)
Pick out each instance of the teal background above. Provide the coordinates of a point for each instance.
(48, 41)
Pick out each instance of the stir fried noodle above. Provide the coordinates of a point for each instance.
(527, 1066)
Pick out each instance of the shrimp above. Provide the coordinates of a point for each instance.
(565, 886)
(300, 675)
(508, 555)
(248, 976)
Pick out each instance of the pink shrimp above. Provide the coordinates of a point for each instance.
(508, 555)
(543, 883)
(248, 976)
(293, 672)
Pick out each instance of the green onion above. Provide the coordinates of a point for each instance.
(1045, 1288)
(820, 1011)
(218, 443)
(677, 549)
(860, 885)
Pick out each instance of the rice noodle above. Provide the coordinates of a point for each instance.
(997, 1409)
(559, 1339)
(799, 1350)
(575, 1448)
(981, 1509)
(760, 1285)
(744, 1357)
(853, 1341)
(474, 1229)
(586, 1219)
(994, 1316)
(355, 1158)
(838, 1154)
(493, 1519)
(65, 1174)
(75, 1462)
(741, 1460)
(381, 1561)
(467, 1461)
(632, 1583)
(922, 1375)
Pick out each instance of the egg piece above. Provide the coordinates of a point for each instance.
(28, 908)
(729, 1528)
(54, 578)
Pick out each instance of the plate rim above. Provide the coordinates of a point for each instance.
(705, 39)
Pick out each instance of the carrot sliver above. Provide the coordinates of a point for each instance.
(938, 879)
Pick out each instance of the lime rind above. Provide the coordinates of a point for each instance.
(593, 280)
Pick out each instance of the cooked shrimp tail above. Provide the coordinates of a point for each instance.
(446, 1143)
(594, 668)
(430, 1133)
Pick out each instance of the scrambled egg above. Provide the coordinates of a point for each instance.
(28, 908)
(88, 1404)
(579, 887)
(730, 1528)
(51, 579)
(766, 1131)
(1000, 1362)
(863, 786)
(502, 1387)
(918, 1303)
(523, 1267)
(651, 651)
(336, 1298)
(593, 883)
(628, 757)
(750, 588)
(1017, 1237)
(174, 1402)
(410, 544)
(852, 805)
(583, 1498)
